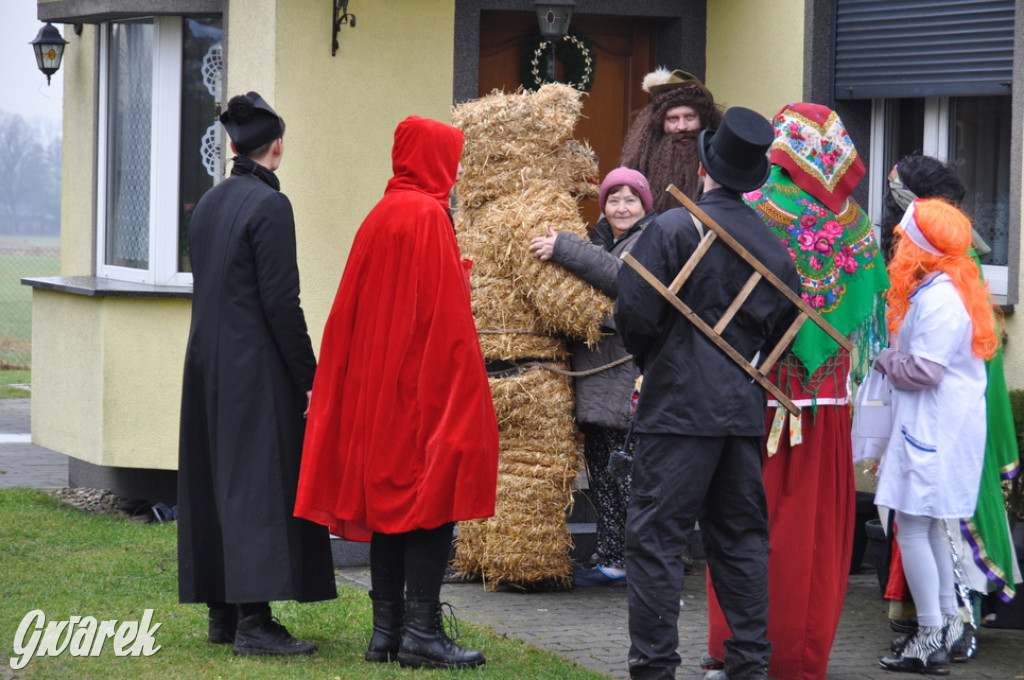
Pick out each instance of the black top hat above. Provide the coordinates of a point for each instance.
(735, 154)
(251, 122)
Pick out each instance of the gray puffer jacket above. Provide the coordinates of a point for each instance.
(602, 399)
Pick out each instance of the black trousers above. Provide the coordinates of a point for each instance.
(678, 480)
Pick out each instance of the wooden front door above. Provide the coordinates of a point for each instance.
(625, 52)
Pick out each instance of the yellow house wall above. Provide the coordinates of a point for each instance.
(78, 170)
(106, 382)
(755, 53)
(67, 376)
(143, 355)
(67, 371)
(340, 111)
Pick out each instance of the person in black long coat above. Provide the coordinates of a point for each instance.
(249, 369)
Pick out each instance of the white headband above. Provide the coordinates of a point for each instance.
(914, 232)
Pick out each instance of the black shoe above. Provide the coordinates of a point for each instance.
(687, 560)
(261, 635)
(425, 643)
(223, 621)
(388, 617)
(710, 663)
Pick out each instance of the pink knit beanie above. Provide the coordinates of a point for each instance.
(630, 178)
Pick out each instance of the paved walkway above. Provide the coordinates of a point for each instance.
(587, 625)
(21, 462)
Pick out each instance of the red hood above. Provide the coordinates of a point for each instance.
(425, 157)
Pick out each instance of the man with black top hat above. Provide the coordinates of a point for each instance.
(249, 368)
(701, 418)
(662, 139)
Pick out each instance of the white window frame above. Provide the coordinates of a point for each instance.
(164, 160)
(935, 143)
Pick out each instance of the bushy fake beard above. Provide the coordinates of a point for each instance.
(674, 160)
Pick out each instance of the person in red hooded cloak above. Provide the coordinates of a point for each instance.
(401, 437)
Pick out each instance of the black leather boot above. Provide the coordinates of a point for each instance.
(388, 616)
(259, 634)
(222, 623)
(424, 641)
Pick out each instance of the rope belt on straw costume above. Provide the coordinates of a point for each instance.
(500, 368)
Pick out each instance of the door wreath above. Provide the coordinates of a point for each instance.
(579, 61)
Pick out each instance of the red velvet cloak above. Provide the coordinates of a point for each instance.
(401, 432)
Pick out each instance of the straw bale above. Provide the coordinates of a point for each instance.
(486, 177)
(527, 540)
(508, 326)
(522, 543)
(544, 117)
(533, 400)
(515, 140)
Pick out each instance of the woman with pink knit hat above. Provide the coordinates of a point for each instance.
(604, 396)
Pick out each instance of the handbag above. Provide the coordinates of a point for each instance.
(620, 462)
(872, 417)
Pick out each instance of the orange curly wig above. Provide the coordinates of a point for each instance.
(949, 231)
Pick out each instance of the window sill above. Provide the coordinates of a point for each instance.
(93, 286)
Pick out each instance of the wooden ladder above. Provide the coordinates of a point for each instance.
(714, 333)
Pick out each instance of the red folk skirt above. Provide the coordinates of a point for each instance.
(811, 511)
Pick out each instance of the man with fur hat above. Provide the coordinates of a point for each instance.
(701, 418)
(661, 142)
(249, 369)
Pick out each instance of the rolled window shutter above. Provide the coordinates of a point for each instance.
(923, 48)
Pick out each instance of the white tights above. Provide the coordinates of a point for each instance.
(928, 565)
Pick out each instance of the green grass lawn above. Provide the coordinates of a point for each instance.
(66, 563)
(16, 303)
(14, 377)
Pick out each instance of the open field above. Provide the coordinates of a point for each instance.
(18, 259)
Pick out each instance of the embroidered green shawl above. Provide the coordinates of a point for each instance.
(842, 273)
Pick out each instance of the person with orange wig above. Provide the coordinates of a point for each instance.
(941, 323)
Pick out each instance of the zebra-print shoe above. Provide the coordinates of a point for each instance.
(961, 644)
(924, 652)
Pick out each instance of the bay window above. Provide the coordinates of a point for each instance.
(159, 144)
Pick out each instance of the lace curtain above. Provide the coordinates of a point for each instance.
(129, 112)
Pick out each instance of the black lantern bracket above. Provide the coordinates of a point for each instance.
(340, 18)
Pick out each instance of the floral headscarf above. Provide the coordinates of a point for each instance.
(812, 144)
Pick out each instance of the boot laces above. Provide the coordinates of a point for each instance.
(447, 622)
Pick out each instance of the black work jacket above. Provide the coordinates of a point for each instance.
(691, 387)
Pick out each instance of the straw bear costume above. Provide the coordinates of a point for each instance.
(523, 174)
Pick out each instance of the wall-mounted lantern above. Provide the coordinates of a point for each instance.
(553, 19)
(49, 49)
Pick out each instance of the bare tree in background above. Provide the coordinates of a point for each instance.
(29, 179)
